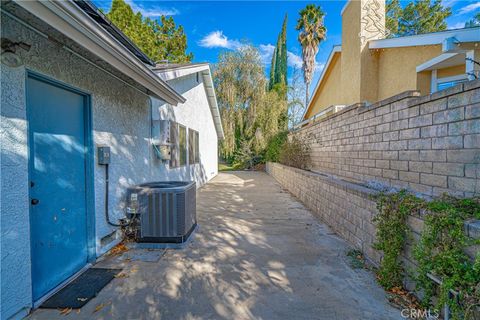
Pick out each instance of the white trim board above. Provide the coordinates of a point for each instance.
(430, 64)
(212, 101)
(182, 71)
(452, 78)
(434, 38)
(433, 81)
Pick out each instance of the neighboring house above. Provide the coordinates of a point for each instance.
(370, 67)
(199, 114)
(71, 82)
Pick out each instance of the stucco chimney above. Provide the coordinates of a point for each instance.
(362, 21)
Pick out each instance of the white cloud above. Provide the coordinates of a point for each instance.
(319, 66)
(266, 52)
(152, 12)
(294, 60)
(457, 25)
(216, 39)
(471, 7)
(449, 3)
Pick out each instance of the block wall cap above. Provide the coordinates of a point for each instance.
(470, 85)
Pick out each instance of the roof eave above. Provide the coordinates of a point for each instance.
(212, 102)
(182, 71)
(73, 22)
(92, 10)
(176, 72)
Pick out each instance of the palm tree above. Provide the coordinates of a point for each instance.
(312, 32)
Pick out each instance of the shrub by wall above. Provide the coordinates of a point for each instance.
(295, 153)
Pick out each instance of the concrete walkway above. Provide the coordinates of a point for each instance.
(258, 254)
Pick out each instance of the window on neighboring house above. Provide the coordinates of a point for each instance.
(193, 155)
(447, 84)
(182, 137)
(174, 146)
(438, 84)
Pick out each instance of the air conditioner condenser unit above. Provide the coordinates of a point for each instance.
(164, 211)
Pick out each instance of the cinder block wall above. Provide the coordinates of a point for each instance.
(428, 144)
(349, 208)
(346, 207)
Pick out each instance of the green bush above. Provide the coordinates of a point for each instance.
(439, 252)
(295, 153)
(392, 233)
(274, 146)
(245, 158)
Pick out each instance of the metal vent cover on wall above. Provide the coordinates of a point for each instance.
(166, 210)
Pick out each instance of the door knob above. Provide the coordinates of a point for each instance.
(35, 202)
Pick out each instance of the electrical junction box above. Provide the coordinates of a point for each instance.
(103, 155)
(161, 138)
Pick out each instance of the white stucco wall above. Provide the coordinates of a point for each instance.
(15, 278)
(195, 114)
(121, 119)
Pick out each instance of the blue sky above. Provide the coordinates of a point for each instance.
(216, 26)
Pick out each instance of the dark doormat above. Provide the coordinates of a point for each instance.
(81, 290)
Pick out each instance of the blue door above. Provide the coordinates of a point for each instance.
(57, 143)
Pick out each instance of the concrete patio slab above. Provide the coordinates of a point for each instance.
(258, 254)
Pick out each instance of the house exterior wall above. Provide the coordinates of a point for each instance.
(330, 91)
(362, 74)
(351, 52)
(397, 69)
(121, 119)
(424, 80)
(451, 71)
(15, 246)
(194, 114)
(362, 21)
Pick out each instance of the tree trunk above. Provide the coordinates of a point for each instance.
(306, 97)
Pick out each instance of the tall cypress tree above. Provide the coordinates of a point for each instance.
(272, 70)
(281, 63)
(278, 69)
